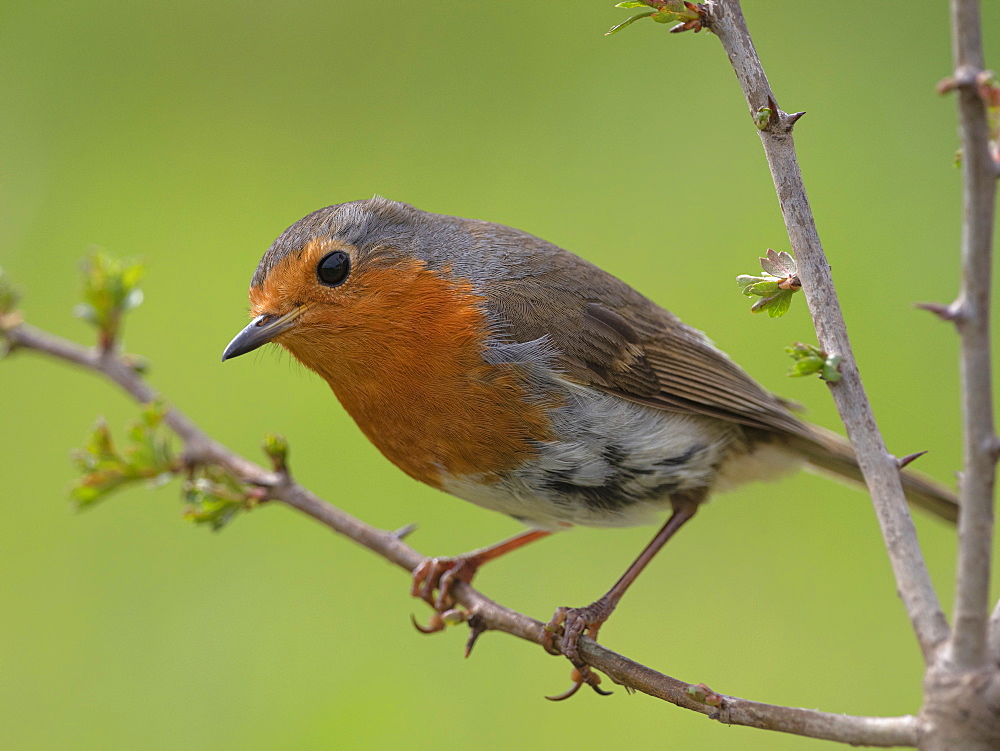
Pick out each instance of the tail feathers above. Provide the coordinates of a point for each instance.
(832, 453)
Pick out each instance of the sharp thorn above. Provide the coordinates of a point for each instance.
(945, 85)
(403, 532)
(944, 312)
(793, 118)
(909, 458)
(476, 629)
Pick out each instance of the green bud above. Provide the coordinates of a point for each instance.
(110, 289)
(276, 448)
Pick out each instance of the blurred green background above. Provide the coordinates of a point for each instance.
(190, 134)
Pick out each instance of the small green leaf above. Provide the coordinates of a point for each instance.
(776, 305)
(779, 304)
(215, 497)
(149, 455)
(775, 287)
(762, 289)
(668, 16)
(628, 22)
(109, 291)
(664, 11)
(811, 360)
(779, 264)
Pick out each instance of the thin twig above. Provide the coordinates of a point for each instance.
(968, 646)
(200, 448)
(879, 467)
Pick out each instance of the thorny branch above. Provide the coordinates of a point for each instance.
(880, 468)
(962, 682)
(971, 315)
(489, 615)
(962, 687)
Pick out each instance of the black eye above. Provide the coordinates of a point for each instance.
(333, 267)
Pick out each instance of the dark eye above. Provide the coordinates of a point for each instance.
(333, 267)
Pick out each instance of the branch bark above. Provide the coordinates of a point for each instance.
(879, 467)
(962, 682)
(962, 690)
(971, 314)
(200, 448)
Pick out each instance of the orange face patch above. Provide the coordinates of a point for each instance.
(401, 346)
(293, 280)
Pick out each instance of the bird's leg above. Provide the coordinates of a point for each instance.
(441, 573)
(574, 622)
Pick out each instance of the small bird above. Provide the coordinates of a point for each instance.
(502, 369)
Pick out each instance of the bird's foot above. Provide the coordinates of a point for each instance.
(441, 620)
(571, 624)
(439, 575)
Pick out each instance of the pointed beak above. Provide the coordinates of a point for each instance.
(260, 331)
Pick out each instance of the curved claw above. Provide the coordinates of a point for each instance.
(435, 624)
(581, 676)
(570, 624)
(567, 693)
(600, 691)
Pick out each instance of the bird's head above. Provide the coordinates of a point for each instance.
(361, 284)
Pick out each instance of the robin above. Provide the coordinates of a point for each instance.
(499, 368)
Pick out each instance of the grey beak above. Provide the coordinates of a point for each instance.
(260, 331)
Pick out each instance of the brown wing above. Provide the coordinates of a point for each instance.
(611, 337)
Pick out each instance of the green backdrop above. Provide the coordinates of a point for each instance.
(190, 134)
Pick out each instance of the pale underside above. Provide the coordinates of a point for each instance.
(621, 465)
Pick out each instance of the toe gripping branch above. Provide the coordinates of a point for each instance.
(568, 624)
(571, 624)
(439, 575)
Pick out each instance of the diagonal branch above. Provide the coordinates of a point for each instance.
(880, 468)
(200, 448)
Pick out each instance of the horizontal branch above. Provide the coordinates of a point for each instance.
(486, 614)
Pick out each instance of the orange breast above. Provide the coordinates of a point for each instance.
(403, 351)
